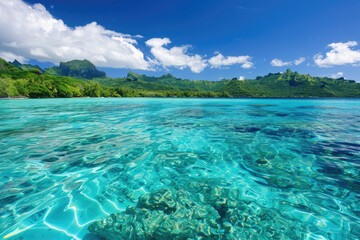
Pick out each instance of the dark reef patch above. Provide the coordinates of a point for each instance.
(199, 212)
(246, 129)
(262, 105)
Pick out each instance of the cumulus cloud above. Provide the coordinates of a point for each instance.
(241, 78)
(179, 57)
(31, 32)
(8, 56)
(279, 63)
(337, 75)
(340, 54)
(175, 56)
(299, 61)
(219, 61)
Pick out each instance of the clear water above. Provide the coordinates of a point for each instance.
(65, 163)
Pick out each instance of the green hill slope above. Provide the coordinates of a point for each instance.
(178, 83)
(15, 82)
(288, 84)
(82, 69)
(20, 66)
(165, 82)
(86, 80)
(293, 84)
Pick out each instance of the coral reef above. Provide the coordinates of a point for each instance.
(202, 212)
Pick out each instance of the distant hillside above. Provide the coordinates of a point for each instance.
(31, 83)
(15, 82)
(178, 83)
(25, 67)
(293, 84)
(82, 69)
(165, 82)
(60, 82)
(288, 84)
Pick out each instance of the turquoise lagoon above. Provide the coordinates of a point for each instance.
(291, 165)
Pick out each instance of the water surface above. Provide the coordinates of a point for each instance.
(65, 163)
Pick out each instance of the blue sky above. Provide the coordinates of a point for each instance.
(253, 33)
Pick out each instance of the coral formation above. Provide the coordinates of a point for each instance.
(201, 212)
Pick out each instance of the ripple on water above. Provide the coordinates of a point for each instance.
(236, 169)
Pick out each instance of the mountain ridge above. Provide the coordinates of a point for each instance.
(82, 69)
(287, 84)
(25, 67)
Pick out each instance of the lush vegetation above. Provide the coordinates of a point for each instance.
(26, 80)
(32, 83)
(293, 84)
(165, 82)
(20, 66)
(288, 84)
(82, 69)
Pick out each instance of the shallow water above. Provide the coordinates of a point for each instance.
(65, 163)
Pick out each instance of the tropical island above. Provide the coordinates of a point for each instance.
(80, 78)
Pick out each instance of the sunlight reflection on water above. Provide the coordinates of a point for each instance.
(66, 163)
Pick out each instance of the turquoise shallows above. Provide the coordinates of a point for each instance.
(65, 163)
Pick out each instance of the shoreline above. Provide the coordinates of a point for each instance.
(23, 98)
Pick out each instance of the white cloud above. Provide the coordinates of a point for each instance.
(175, 56)
(340, 54)
(299, 61)
(279, 63)
(337, 75)
(8, 56)
(31, 32)
(220, 61)
(241, 78)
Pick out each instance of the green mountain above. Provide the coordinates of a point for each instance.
(134, 81)
(82, 69)
(165, 82)
(180, 84)
(293, 84)
(88, 81)
(20, 66)
(288, 84)
(15, 82)
(31, 83)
